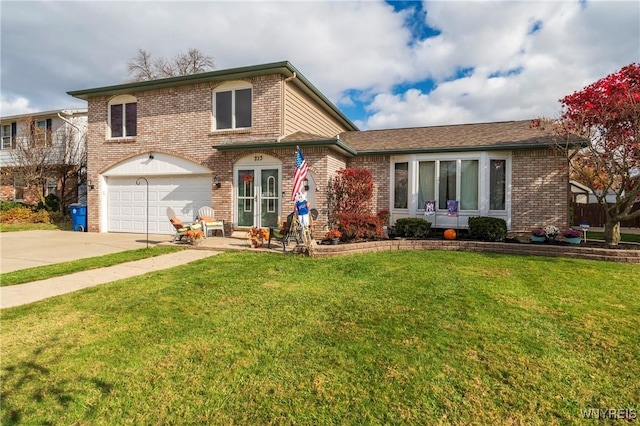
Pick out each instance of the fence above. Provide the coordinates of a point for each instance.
(593, 214)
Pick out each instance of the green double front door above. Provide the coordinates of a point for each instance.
(258, 195)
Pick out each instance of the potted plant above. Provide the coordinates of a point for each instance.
(572, 236)
(193, 236)
(257, 237)
(333, 236)
(551, 232)
(538, 235)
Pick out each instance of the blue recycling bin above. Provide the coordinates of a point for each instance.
(78, 214)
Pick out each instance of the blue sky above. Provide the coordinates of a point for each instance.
(384, 64)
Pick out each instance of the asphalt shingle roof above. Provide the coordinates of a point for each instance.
(508, 134)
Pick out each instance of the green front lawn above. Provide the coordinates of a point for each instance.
(419, 337)
(15, 227)
(65, 268)
(627, 238)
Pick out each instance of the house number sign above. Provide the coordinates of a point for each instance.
(257, 158)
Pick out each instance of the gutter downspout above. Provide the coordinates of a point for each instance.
(69, 122)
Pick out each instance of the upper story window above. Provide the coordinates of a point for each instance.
(41, 132)
(123, 117)
(232, 106)
(8, 135)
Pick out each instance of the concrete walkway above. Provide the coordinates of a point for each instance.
(32, 292)
(27, 249)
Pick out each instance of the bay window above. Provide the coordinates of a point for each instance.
(477, 181)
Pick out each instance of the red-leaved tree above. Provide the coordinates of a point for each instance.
(352, 191)
(607, 114)
(350, 195)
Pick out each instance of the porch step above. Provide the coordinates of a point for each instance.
(243, 235)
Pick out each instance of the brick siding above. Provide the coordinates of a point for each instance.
(178, 121)
(540, 189)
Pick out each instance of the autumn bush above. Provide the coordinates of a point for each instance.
(351, 191)
(355, 226)
(24, 214)
(350, 195)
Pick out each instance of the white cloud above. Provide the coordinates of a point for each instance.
(573, 47)
(14, 106)
(354, 52)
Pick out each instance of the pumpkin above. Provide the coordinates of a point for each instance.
(450, 234)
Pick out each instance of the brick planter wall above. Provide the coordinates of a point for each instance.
(611, 255)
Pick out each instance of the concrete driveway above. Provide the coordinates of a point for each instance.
(26, 249)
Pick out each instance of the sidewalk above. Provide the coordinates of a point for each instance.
(23, 294)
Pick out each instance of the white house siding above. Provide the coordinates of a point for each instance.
(301, 113)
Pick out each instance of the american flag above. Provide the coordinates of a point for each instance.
(301, 173)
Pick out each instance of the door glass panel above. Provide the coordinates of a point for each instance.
(246, 197)
(270, 198)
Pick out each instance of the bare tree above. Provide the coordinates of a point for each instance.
(41, 154)
(69, 160)
(143, 68)
(31, 156)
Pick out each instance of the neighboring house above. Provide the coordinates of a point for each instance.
(580, 193)
(583, 195)
(52, 141)
(227, 139)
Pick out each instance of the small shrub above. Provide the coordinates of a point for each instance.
(41, 216)
(51, 203)
(23, 214)
(355, 226)
(8, 205)
(487, 228)
(413, 227)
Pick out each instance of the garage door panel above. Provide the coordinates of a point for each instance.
(127, 202)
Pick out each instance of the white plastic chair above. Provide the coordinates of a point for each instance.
(180, 227)
(207, 217)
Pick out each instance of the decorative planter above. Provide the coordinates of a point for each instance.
(536, 239)
(573, 240)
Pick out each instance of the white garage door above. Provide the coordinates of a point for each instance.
(126, 202)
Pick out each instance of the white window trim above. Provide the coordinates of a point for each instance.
(230, 86)
(9, 136)
(120, 100)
